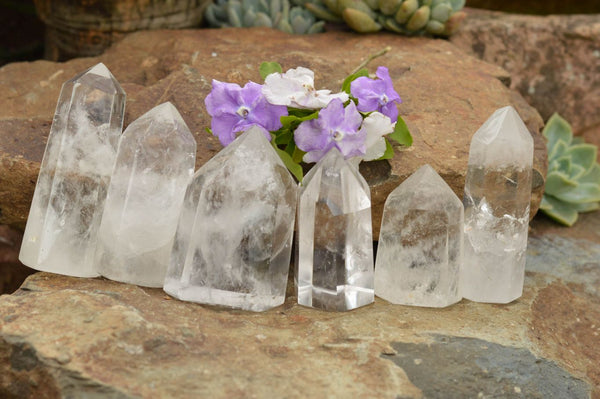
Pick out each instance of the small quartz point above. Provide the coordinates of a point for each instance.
(420, 243)
(155, 163)
(234, 238)
(334, 243)
(60, 236)
(497, 197)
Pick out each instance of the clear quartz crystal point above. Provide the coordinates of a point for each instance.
(68, 201)
(420, 243)
(234, 238)
(334, 243)
(497, 197)
(155, 162)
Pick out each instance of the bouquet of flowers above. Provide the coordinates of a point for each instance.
(303, 123)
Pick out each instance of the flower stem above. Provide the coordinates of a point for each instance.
(371, 58)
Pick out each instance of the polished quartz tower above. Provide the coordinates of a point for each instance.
(420, 243)
(67, 205)
(334, 244)
(496, 200)
(155, 162)
(234, 238)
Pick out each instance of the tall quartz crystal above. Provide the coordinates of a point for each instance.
(497, 196)
(234, 238)
(155, 162)
(68, 201)
(334, 244)
(420, 243)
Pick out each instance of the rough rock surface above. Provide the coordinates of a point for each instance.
(447, 96)
(554, 61)
(70, 337)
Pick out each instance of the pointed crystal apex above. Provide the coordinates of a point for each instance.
(99, 77)
(233, 241)
(155, 163)
(420, 243)
(334, 258)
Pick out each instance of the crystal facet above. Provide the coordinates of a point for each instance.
(67, 205)
(334, 244)
(233, 241)
(154, 165)
(420, 243)
(497, 196)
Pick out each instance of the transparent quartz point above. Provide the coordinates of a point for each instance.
(334, 244)
(233, 241)
(68, 201)
(497, 196)
(420, 243)
(155, 162)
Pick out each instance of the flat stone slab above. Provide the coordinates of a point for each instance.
(70, 337)
(447, 96)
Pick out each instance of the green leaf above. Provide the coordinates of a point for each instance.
(557, 183)
(592, 176)
(289, 163)
(583, 155)
(584, 192)
(587, 207)
(351, 78)
(576, 171)
(401, 135)
(389, 151)
(284, 137)
(298, 155)
(267, 68)
(557, 129)
(558, 210)
(558, 150)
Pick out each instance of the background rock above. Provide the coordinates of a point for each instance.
(553, 61)
(12, 272)
(447, 96)
(69, 337)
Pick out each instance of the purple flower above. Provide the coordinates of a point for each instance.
(376, 94)
(234, 109)
(337, 127)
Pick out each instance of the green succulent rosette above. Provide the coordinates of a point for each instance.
(573, 180)
(267, 13)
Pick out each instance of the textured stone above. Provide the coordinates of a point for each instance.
(69, 337)
(334, 241)
(153, 167)
(553, 61)
(68, 202)
(440, 87)
(497, 200)
(234, 238)
(420, 248)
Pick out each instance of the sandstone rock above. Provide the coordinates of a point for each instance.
(553, 61)
(69, 337)
(447, 96)
(544, 7)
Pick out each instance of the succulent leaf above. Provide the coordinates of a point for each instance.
(419, 19)
(573, 180)
(406, 10)
(360, 21)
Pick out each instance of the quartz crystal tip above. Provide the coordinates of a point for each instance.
(420, 243)
(68, 201)
(334, 244)
(496, 200)
(234, 238)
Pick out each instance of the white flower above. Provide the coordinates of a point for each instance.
(376, 125)
(296, 89)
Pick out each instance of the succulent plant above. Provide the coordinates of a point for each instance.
(410, 17)
(573, 180)
(269, 13)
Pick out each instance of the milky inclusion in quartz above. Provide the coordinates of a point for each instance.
(67, 205)
(497, 197)
(155, 162)
(334, 244)
(420, 243)
(234, 238)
